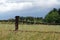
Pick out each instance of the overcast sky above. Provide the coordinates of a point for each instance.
(36, 8)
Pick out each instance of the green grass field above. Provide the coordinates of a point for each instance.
(29, 32)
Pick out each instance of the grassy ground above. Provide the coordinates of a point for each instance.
(30, 32)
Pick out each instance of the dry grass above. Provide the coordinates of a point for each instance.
(42, 32)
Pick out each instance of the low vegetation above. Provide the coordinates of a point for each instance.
(29, 32)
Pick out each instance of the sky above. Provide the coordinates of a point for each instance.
(35, 8)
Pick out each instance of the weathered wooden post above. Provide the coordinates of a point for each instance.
(16, 22)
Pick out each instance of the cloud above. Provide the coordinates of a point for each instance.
(47, 3)
(8, 5)
(14, 6)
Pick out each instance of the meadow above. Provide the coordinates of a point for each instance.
(29, 32)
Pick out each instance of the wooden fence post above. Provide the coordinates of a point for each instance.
(16, 22)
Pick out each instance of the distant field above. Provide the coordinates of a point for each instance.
(29, 32)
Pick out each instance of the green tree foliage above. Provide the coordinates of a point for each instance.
(58, 16)
(53, 16)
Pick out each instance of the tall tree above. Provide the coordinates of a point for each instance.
(52, 16)
(58, 16)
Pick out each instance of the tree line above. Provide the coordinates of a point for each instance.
(53, 17)
(26, 20)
